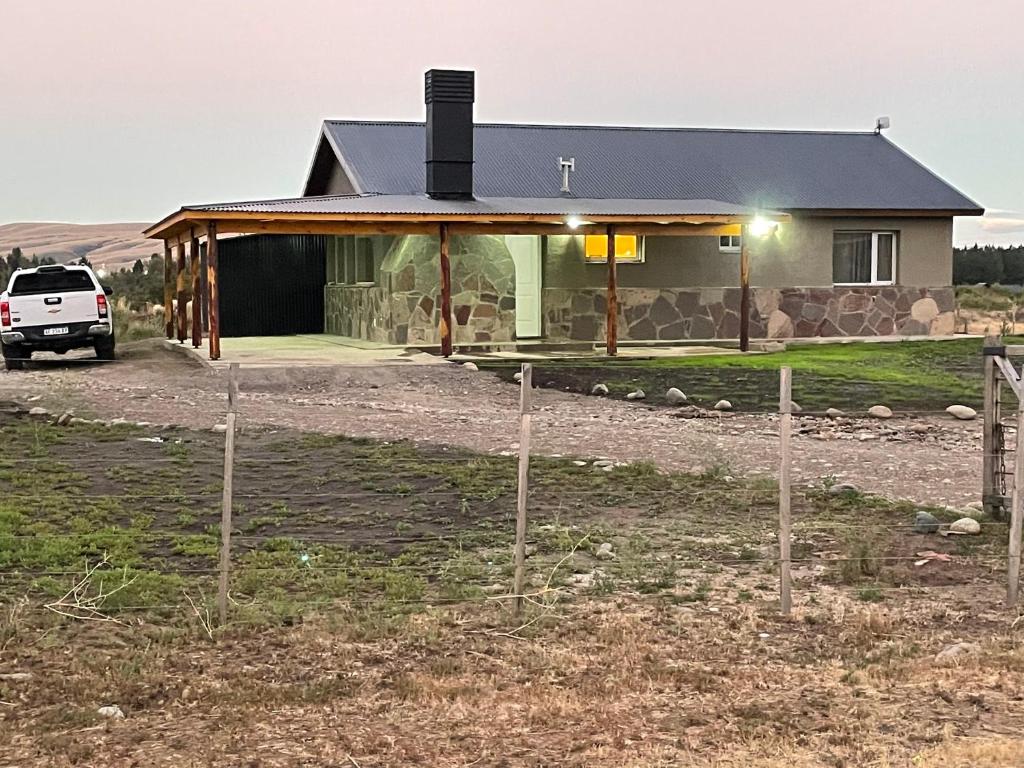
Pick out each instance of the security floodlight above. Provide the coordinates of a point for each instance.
(573, 222)
(881, 124)
(759, 226)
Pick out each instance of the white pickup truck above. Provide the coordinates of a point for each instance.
(54, 308)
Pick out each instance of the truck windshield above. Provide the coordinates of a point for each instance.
(51, 282)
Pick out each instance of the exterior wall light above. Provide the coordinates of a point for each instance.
(573, 222)
(761, 227)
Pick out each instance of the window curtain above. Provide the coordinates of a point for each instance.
(851, 257)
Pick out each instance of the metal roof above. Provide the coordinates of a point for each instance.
(497, 206)
(789, 170)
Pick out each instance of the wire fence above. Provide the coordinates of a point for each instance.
(244, 534)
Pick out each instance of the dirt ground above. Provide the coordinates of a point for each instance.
(614, 683)
(389, 647)
(926, 458)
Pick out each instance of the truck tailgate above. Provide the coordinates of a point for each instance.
(53, 308)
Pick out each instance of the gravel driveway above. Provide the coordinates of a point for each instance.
(929, 460)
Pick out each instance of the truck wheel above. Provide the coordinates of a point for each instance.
(14, 357)
(105, 348)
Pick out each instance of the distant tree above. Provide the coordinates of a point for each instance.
(138, 268)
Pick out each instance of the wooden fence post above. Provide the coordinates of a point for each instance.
(992, 480)
(785, 438)
(525, 388)
(1016, 513)
(226, 501)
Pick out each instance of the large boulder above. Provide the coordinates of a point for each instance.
(965, 526)
(962, 412)
(925, 522)
(675, 396)
(880, 412)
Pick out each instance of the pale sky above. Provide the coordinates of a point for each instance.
(123, 110)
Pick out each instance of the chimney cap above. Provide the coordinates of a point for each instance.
(451, 85)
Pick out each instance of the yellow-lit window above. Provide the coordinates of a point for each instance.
(628, 248)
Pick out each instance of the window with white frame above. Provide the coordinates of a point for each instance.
(629, 249)
(730, 243)
(863, 258)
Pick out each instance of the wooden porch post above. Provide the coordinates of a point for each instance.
(446, 295)
(744, 289)
(213, 288)
(168, 292)
(612, 299)
(204, 292)
(182, 310)
(197, 320)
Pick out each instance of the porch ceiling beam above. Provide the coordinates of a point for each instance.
(177, 226)
(469, 228)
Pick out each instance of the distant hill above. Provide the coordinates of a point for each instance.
(107, 245)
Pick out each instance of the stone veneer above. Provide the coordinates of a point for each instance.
(777, 313)
(404, 308)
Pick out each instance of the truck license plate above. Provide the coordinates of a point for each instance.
(59, 330)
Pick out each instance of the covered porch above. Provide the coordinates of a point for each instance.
(191, 237)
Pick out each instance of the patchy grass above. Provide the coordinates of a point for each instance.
(904, 375)
(373, 601)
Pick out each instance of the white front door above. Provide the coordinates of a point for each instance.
(525, 250)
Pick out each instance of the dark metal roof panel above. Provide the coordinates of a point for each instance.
(773, 169)
(507, 206)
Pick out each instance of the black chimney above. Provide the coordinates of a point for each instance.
(449, 97)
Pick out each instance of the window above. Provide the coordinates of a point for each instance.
(864, 258)
(628, 249)
(730, 243)
(52, 280)
(364, 260)
(350, 261)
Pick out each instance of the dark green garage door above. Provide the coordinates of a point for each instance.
(272, 285)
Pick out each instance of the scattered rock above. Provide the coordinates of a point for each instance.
(470, 367)
(579, 463)
(880, 412)
(38, 412)
(113, 712)
(834, 413)
(600, 390)
(517, 376)
(977, 506)
(117, 422)
(920, 429)
(219, 428)
(582, 580)
(603, 463)
(841, 489)
(925, 522)
(965, 526)
(675, 396)
(144, 424)
(604, 552)
(16, 676)
(962, 412)
(957, 650)
(65, 418)
(637, 394)
(494, 589)
(723, 405)
(74, 421)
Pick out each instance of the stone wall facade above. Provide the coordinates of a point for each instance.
(647, 314)
(404, 306)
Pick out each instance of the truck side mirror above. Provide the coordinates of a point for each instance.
(108, 290)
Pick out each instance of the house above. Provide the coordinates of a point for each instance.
(454, 232)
